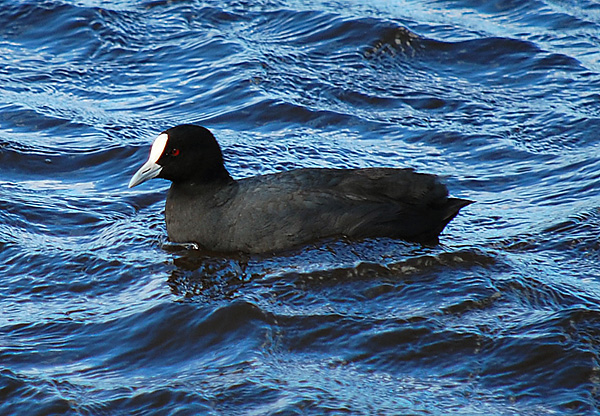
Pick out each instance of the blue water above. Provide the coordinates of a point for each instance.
(101, 315)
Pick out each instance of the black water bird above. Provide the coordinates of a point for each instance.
(275, 212)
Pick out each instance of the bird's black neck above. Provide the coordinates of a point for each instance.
(209, 177)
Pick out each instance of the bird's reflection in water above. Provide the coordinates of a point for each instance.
(200, 274)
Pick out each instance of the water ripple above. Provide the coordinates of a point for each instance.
(102, 315)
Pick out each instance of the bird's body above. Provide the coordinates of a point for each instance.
(275, 212)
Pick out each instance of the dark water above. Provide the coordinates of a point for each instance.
(102, 315)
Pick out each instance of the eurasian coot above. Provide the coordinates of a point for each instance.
(270, 213)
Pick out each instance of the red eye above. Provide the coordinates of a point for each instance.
(174, 152)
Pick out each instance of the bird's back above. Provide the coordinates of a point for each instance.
(279, 211)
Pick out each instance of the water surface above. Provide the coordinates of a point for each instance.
(102, 315)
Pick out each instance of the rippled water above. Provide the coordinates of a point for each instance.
(102, 315)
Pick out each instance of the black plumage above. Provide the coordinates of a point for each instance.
(270, 213)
